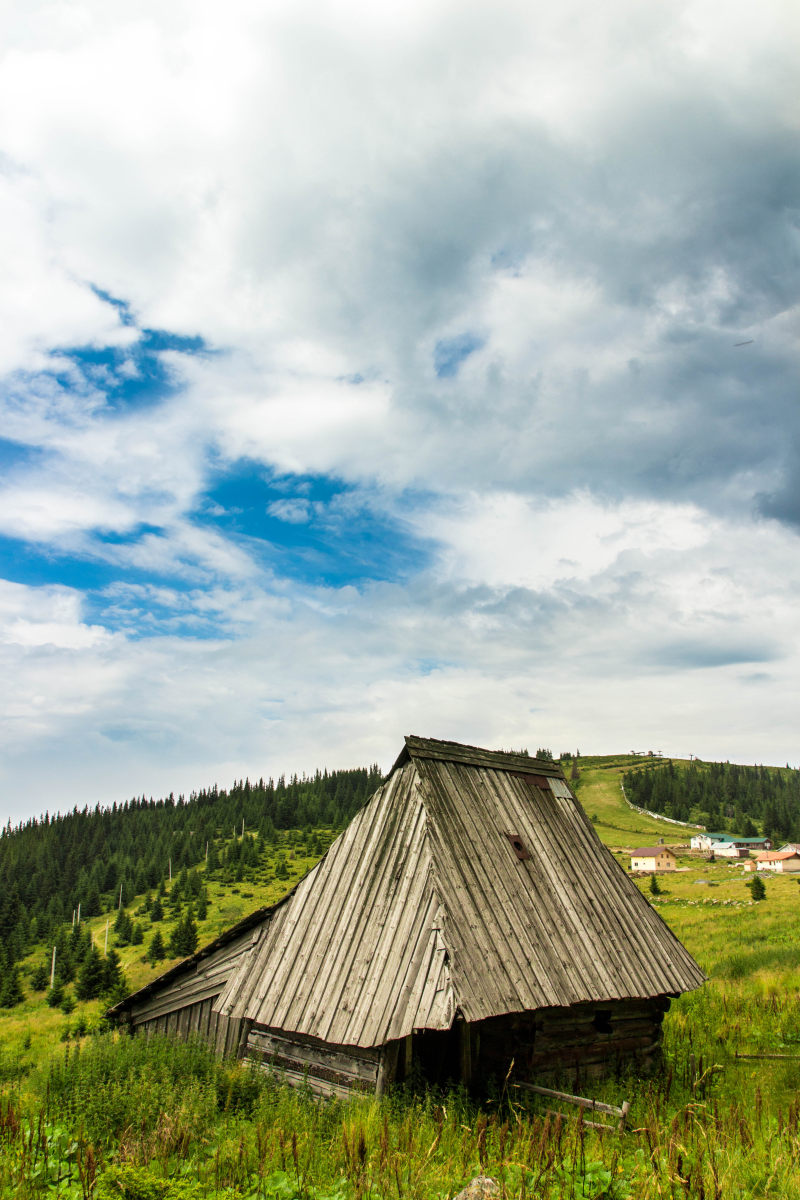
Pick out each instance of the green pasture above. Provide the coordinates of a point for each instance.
(599, 791)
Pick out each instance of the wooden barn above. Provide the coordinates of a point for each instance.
(468, 915)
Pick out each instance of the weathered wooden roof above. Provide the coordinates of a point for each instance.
(475, 756)
(471, 881)
(356, 956)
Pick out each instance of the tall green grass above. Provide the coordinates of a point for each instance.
(161, 1120)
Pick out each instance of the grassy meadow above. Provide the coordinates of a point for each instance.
(98, 1115)
(599, 789)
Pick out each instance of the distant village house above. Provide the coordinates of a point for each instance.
(653, 858)
(728, 845)
(785, 862)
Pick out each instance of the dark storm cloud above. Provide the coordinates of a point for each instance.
(683, 223)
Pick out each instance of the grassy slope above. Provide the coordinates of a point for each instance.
(720, 926)
(752, 952)
(32, 1029)
(599, 791)
(707, 905)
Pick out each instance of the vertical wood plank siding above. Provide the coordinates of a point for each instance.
(348, 958)
(186, 1004)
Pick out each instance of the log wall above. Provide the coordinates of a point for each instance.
(328, 1069)
(582, 1041)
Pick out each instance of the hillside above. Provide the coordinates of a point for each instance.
(33, 1027)
(599, 789)
(227, 856)
(93, 861)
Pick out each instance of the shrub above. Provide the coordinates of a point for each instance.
(127, 1182)
(55, 995)
(757, 889)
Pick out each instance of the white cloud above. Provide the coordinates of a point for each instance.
(294, 512)
(507, 540)
(323, 193)
(43, 304)
(46, 616)
(666, 648)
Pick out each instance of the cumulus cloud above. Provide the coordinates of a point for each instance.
(518, 285)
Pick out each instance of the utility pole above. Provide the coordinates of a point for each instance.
(79, 912)
(53, 969)
(119, 906)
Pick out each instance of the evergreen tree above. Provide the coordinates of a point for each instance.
(113, 974)
(156, 910)
(156, 950)
(55, 994)
(89, 984)
(655, 887)
(11, 987)
(183, 941)
(40, 977)
(757, 889)
(123, 927)
(190, 937)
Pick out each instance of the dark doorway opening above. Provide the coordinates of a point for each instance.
(437, 1055)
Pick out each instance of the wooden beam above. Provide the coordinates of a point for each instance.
(465, 1048)
(580, 1101)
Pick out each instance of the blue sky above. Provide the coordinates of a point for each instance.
(372, 370)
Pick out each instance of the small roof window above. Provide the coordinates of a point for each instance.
(518, 846)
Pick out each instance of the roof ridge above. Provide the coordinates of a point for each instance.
(476, 756)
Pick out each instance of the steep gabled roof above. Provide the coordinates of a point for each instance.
(471, 881)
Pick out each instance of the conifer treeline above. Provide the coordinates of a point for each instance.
(722, 796)
(50, 865)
